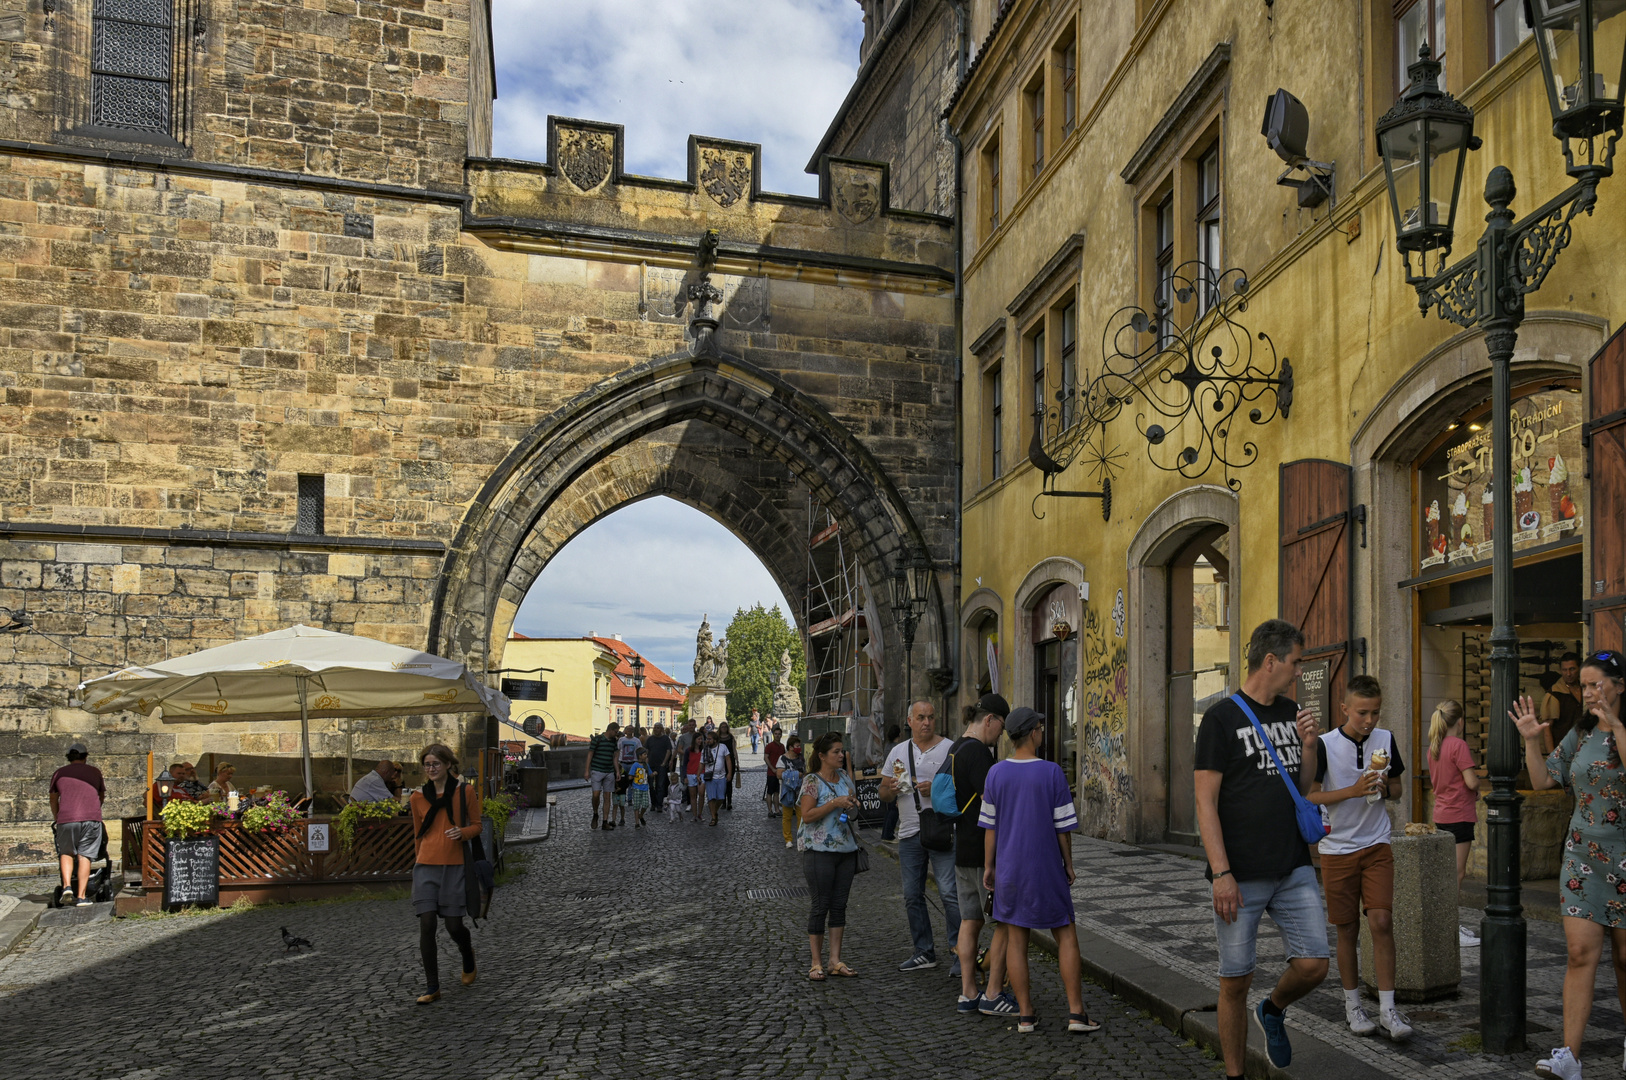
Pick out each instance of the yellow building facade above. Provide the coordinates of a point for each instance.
(579, 687)
(1112, 151)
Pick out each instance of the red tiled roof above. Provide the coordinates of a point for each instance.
(654, 692)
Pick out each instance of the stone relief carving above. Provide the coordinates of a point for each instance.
(725, 174)
(585, 157)
(855, 192)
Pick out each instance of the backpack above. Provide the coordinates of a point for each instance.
(945, 799)
(790, 787)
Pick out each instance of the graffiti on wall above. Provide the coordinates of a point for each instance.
(1106, 787)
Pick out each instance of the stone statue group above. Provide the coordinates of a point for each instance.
(710, 661)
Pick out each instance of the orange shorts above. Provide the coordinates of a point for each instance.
(1357, 882)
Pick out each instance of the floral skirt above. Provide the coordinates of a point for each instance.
(1592, 885)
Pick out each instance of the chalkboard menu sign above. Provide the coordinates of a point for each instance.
(869, 797)
(1315, 690)
(192, 871)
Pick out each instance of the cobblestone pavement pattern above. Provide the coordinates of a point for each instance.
(632, 953)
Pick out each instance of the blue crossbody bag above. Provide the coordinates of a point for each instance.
(1312, 828)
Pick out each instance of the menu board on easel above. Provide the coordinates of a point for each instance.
(192, 871)
(1314, 690)
(868, 782)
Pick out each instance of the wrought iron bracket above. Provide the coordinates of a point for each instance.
(1105, 495)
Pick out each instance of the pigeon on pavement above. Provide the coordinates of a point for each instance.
(290, 942)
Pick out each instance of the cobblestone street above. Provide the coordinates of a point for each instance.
(632, 953)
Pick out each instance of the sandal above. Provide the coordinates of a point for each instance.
(816, 974)
(1026, 1024)
(1080, 1023)
(840, 968)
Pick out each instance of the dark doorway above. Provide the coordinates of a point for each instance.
(1199, 662)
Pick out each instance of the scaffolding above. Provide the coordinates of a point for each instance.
(841, 681)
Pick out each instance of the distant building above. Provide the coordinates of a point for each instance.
(578, 688)
(660, 699)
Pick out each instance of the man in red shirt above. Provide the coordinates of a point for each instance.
(77, 793)
(770, 790)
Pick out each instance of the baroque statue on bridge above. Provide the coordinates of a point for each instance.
(710, 663)
(787, 703)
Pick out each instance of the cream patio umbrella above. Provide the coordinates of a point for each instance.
(295, 674)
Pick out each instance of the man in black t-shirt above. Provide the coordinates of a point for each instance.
(1257, 860)
(970, 759)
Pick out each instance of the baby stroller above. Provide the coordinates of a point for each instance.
(100, 888)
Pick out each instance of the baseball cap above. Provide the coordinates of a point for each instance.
(79, 748)
(1021, 721)
(993, 703)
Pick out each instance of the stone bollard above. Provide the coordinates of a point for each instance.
(1428, 960)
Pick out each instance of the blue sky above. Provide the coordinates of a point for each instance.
(763, 71)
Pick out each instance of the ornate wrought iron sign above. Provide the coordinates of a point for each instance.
(1199, 380)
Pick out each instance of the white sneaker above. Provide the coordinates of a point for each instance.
(1562, 1065)
(1359, 1022)
(1397, 1027)
(1466, 938)
(788, 843)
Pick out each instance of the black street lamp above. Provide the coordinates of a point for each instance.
(637, 665)
(1424, 140)
(910, 592)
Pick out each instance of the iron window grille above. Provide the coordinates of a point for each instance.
(312, 520)
(132, 65)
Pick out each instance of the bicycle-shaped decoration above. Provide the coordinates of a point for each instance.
(1206, 370)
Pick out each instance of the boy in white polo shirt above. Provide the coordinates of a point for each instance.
(1358, 767)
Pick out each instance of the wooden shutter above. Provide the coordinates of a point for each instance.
(1605, 437)
(1314, 574)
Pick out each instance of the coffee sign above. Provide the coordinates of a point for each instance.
(1457, 491)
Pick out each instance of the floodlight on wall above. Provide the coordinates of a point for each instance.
(1286, 129)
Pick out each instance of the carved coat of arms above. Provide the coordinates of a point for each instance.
(855, 192)
(725, 174)
(585, 156)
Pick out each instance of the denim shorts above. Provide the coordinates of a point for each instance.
(1294, 905)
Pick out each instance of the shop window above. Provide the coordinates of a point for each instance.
(1163, 280)
(1208, 225)
(991, 186)
(993, 392)
(1508, 27)
(1033, 106)
(312, 519)
(1418, 21)
(1067, 73)
(1069, 364)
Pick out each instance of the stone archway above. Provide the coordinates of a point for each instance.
(776, 420)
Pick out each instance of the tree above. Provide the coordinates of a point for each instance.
(756, 639)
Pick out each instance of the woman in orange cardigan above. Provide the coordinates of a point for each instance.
(437, 875)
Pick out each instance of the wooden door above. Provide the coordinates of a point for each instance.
(1605, 436)
(1315, 568)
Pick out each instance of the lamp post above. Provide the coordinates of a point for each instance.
(1424, 141)
(910, 589)
(637, 665)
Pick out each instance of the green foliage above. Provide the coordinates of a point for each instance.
(756, 638)
(499, 809)
(183, 818)
(355, 813)
(274, 815)
(513, 865)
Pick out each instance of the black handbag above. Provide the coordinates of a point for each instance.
(936, 831)
(479, 877)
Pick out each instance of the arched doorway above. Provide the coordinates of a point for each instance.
(561, 475)
(1182, 651)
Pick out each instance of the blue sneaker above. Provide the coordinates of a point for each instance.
(1003, 1005)
(918, 962)
(968, 1006)
(1277, 1048)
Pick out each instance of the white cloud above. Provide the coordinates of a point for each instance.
(765, 71)
(648, 572)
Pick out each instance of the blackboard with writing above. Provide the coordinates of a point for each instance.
(192, 871)
(869, 797)
(1315, 690)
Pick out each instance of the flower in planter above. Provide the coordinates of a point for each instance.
(276, 814)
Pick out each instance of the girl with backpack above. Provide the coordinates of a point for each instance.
(791, 768)
(445, 814)
(830, 851)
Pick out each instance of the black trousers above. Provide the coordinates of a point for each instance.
(829, 877)
(660, 781)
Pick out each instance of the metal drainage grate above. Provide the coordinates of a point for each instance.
(789, 892)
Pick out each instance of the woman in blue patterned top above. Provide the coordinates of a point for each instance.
(829, 851)
(1592, 895)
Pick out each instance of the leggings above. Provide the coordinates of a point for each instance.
(426, 945)
(829, 878)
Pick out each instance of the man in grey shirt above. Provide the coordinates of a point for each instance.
(375, 786)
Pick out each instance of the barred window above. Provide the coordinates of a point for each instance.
(312, 505)
(132, 53)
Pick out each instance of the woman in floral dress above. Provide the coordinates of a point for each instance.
(1593, 882)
